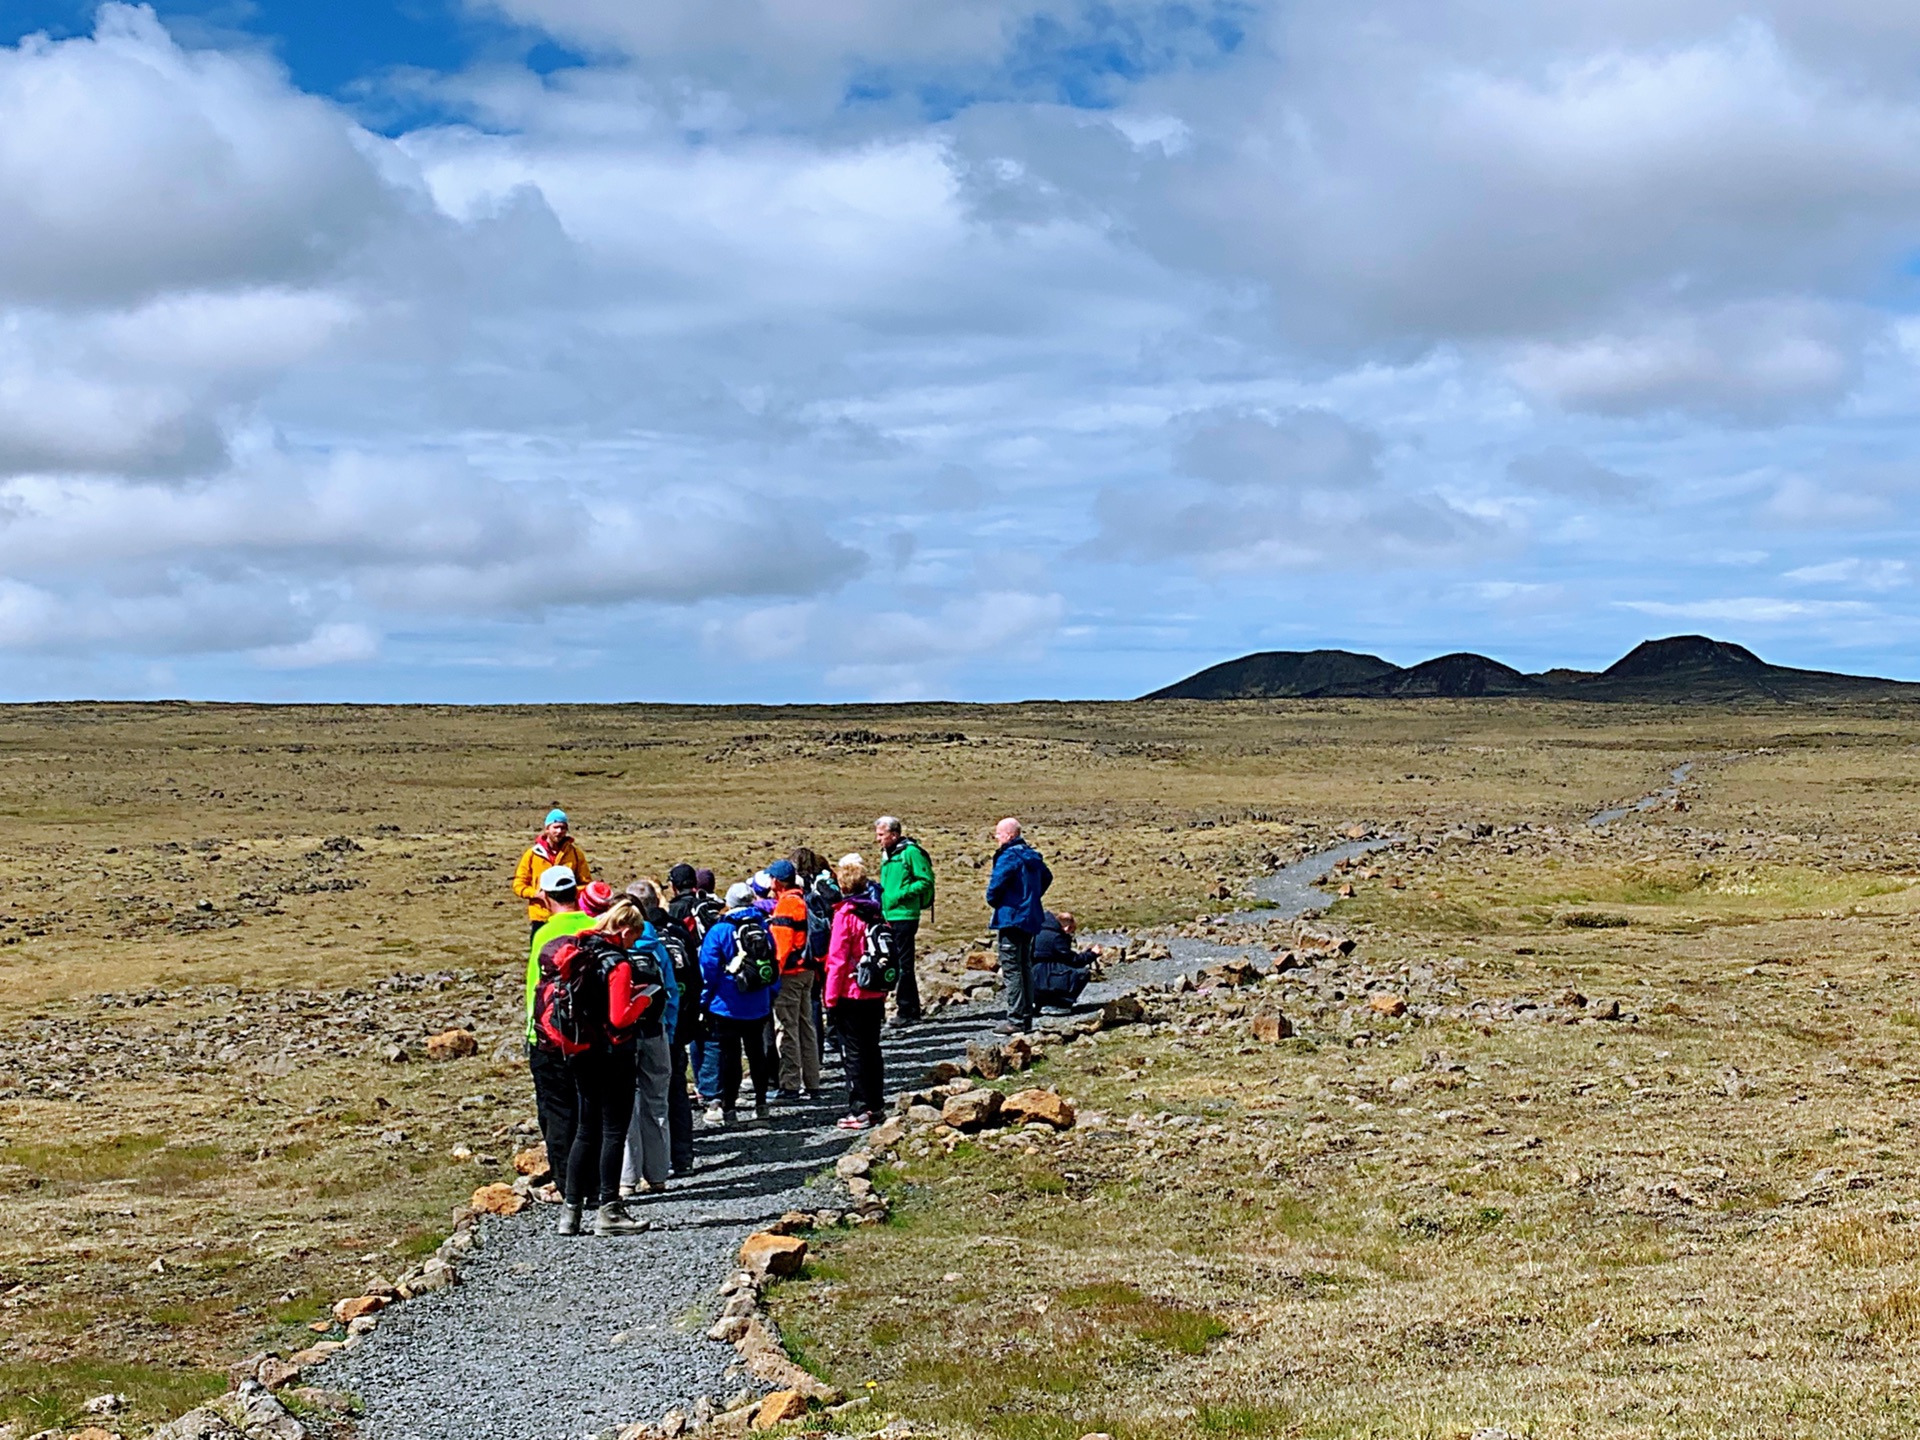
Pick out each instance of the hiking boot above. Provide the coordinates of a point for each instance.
(1008, 1027)
(569, 1221)
(787, 1097)
(902, 1022)
(615, 1219)
(762, 1113)
(729, 1118)
(716, 1117)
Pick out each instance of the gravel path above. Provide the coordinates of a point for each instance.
(547, 1338)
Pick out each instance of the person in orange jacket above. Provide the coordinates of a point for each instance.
(796, 1036)
(553, 846)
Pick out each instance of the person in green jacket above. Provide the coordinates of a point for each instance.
(906, 893)
(554, 1099)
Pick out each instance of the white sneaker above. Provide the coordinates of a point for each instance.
(715, 1116)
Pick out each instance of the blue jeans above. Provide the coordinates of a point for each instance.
(705, 1054)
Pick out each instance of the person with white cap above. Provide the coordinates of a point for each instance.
(741, 973)
(553, 1084)
(554, 845)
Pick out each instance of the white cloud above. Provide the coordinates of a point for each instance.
(1751, 609)
(332, 644)
(1874, 575)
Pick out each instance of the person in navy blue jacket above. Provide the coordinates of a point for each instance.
(739, 1019)
(1016, 891)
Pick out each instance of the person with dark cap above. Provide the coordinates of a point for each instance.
(694, 908)
(683, 1017)
(554, 845)
(796, 1038)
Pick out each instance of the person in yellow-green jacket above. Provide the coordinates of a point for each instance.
(554, 1099)
(553, 846)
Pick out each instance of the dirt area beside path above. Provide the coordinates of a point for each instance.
(219, 922)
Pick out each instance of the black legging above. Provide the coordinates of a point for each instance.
(752, 1036)
(859, 1022)
(603, 1080)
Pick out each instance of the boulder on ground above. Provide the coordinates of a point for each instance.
(498, 1199)
(885, 1137)
(986, 1061)
(982, 960)
(354, 1306)
(452, 1045)
(1122, 1010)
(765, 1254)
(1017, 1052)
(778, 1408)
(1391, 1006)
(201, 1424)
(1045, 1106)
(972, 1109)
(1272, 1029)
(532, 1162)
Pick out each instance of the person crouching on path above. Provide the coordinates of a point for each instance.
(737, 1007)
(856, 1012)
(1015, 891)
(553, 1089)
(553, 846)
(591, 1010)
(797, 1037)
(906, 892)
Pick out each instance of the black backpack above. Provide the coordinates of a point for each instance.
(822, 896)
(879, 968)
(754, 965)
(706, 910)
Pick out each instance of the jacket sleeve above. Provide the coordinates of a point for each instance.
(843, 954)
(626, 1002)
(581, 870)
(918, 891)
(997, 878)
(712, 956)
(526, 880)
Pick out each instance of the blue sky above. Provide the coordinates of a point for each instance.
(974, 349)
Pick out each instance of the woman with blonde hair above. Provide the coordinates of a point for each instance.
(591, 1009)
(857, 1012)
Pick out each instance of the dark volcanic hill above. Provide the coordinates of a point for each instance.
(1278, 674)
(1680, 668)
(1458, 675)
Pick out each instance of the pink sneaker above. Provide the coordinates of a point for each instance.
(852, 1122)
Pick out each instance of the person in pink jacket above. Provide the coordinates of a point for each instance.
(856, 1014)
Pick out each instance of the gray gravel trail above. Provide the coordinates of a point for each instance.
(547, 1338)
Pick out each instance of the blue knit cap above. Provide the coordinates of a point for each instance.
(556, 817)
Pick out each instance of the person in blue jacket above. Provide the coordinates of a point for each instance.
(1016, 892)
(740, 1019)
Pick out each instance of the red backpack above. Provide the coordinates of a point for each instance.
(570, 1002)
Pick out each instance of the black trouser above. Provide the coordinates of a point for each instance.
(1016, 969)
(906, 992)
(603, 1080)
(754, 1037)
(859, 1023)
(679, 1113)
(554, 1103)
(533, 929)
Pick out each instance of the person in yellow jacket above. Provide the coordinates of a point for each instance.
(553, 846)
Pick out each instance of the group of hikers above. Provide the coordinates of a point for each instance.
(642, 1001)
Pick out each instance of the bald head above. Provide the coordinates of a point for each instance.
(1007, 831)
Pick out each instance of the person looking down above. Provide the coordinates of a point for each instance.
(554, 845)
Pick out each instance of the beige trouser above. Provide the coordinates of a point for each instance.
(798, 1034)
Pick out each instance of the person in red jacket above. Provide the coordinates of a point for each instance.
(856, 1014)
(590, 1010)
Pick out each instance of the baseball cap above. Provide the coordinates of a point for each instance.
(739, 893)
(680, 877)
(556, 817)
(762, 883)
(783, 871)
(596, 898)
(558, 880)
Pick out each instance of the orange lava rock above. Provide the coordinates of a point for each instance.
(767, 1254)
(498, 1199)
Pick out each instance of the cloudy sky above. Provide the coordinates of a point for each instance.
(849, 349)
